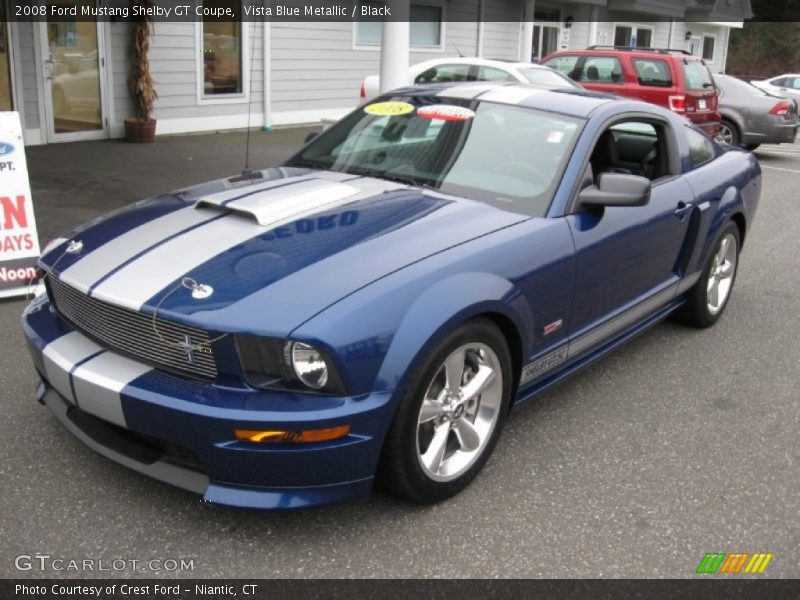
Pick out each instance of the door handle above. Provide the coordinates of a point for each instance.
(683, 209)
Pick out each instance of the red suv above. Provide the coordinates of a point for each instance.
(674, 79)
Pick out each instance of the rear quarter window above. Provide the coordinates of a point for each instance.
(652, 72)
(701, 149)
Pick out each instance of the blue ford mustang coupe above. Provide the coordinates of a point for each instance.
(374, 307)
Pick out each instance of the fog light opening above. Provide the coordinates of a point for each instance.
(276, 435)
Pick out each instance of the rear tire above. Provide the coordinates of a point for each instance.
(707, 299)
(450, 415)
(728, 133)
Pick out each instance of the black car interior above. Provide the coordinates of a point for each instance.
(633, 148)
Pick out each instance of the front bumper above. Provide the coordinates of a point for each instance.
(182, 432)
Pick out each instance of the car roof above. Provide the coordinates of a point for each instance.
(628, 51)
(573, 102)
(474, 60)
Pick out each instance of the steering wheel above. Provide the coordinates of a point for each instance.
(523, 170)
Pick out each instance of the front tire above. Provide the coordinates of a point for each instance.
(450, 415)
(707, 299)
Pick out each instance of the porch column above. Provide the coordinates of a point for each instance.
(395, 47)
(526, 41)
(593, 26)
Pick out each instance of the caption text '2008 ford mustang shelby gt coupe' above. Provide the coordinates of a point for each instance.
(372, 309)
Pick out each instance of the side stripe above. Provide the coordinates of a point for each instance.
(598, 334)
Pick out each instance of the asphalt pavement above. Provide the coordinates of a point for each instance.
(681, 442)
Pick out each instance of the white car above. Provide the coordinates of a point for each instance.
(441, 70)
(786, 86)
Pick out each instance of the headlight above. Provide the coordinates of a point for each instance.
(308, 364)
(269, 363)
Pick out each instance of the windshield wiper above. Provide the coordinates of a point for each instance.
(406, 179)
(310, 164)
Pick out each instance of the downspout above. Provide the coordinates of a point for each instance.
(481, 26)
(671, 30)
(266, 40)
(593, 15)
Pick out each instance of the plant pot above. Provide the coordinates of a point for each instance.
(137, 130)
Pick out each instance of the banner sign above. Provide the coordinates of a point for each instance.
(19, 244)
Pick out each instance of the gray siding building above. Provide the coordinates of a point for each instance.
(69, 80)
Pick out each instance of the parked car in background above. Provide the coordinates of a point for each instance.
(751, 116)
(461, 69)
(374, 307)
(787, 86)
(674, 79)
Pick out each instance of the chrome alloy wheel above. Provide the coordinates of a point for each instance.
(720, 277)
(459, 411)
(725, 134)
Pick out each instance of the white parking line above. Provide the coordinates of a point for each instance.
(780, 169)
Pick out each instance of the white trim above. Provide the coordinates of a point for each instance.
(266, 52)
(239, 121)
(107, 73)
(414, 47)
(12, 67)
(632, 26)
(46, 112)
(244, 60)
(32, 137)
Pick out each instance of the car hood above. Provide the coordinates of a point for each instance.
(274, 251)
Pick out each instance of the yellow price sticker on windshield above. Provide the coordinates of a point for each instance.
(389, 109)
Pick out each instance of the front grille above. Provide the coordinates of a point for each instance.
(131, 333)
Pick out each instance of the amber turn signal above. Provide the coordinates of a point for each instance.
(311, 435)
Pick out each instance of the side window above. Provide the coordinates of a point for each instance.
(632, 147)
(652, 72)
(563, 64)
(601, 69)
(701, 150)
(794, 83)
(444, 73)
(781, 81)
(493, 74)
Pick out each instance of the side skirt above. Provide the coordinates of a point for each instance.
(580, 362)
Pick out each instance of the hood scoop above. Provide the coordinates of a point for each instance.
(284, 203)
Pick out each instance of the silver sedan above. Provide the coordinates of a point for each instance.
(752, 116)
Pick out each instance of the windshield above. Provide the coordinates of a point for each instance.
(697, 75)
(507, 156)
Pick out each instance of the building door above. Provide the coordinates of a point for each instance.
(6, 72)
(73, 66)
(545, 40)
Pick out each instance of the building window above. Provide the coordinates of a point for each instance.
(633, 35)
(708, 47)
(426, 28)
(222, 53)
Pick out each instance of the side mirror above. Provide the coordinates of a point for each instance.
(311, 136)
(617, 189)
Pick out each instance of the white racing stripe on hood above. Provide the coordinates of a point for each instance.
(139, 281)
(92, 267)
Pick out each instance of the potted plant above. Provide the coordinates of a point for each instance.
(142, 128)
